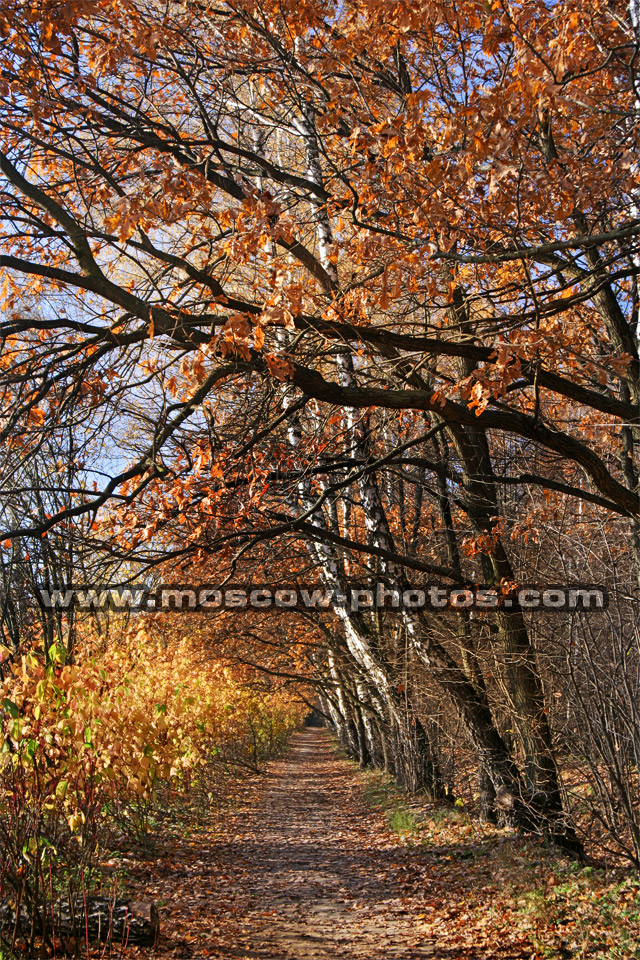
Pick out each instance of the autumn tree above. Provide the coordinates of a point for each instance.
(392, 237)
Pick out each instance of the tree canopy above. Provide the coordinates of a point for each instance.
(335, 290)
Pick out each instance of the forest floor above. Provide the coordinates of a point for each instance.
(318, 860)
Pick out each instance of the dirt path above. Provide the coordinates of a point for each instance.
(306, 870)
(318, 887)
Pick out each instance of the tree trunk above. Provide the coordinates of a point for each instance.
(129, 922)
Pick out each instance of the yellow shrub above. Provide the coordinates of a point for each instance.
(111, 726)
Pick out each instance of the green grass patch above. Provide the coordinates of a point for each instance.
(383, 793)
(403, 821)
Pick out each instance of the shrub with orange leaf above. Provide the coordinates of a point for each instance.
(86, 743)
